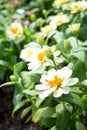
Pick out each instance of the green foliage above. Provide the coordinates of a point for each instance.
(46, 36)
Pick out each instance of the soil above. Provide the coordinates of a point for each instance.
(6, 107)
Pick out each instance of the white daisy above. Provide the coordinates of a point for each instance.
(78, 6)
(56, 82)
(59, 19)
(29, 50)
(15, 30)
(38, 60)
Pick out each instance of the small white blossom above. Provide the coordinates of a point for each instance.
(59, 20)
(75, 7)
(29, 50)
(56, 82)
(59, 3)
(38, 60)
(47, 29)
(15, 30)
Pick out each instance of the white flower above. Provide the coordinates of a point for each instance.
(15, 30)
(29, 50)
(26, 53)
(52, 51)
(38, 60)
(78, 6)
(74, 27)
(20, 11)
(56, 82)
(56, 53)
(59, 3)
(47, 29)
(59, 20)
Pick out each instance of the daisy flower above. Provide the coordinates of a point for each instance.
(47, 29)
(56, 82)
(38, 60)
(75, 7)
(59, 20)
(15, 30)
(28, 51)
(59, 3)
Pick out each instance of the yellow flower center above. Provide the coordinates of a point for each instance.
(29, 52)
(77, 7)
(41, 56)
(14, 30)
(55, 82)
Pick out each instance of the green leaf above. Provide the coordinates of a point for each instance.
(18, 67)
(79, 55)
(50, 35)
(72, 98)
(43, 112)
(75, 89)
(29, 79)
(16, 92)
(86, 60)
(53, 128)
(18, 106)
(48, 122)
(6, 64)
(75, 98)
(83, 32)
(62, 121)
(73, 42)
(59, 37)
(25, 112)
(7, 84)
(19, 40)
(80, 126)
(31, 92)
(38, 102)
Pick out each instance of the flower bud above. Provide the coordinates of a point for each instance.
(74, 28)
(67, 44)
(13, 78)
(40, 21)
(33, 17)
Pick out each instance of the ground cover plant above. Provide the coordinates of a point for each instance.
(45, 52)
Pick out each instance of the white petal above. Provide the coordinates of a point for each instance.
(33, 45)
(51, 73)
(43, 78)
(72, 81)
(65, 82)
(61, 91)
(65, 73)
(57, 53)
(66, 90)
(47, 93)
(41, 87)
(32, 66)
(58, 92)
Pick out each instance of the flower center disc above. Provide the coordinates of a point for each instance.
(41, 56)
(29, 52)
(14, 30)
(55, 82)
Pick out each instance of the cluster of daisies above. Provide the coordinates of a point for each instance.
(44, 60)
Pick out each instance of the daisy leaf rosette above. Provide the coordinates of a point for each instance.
(56, 82)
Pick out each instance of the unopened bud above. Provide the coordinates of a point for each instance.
(13, 78)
